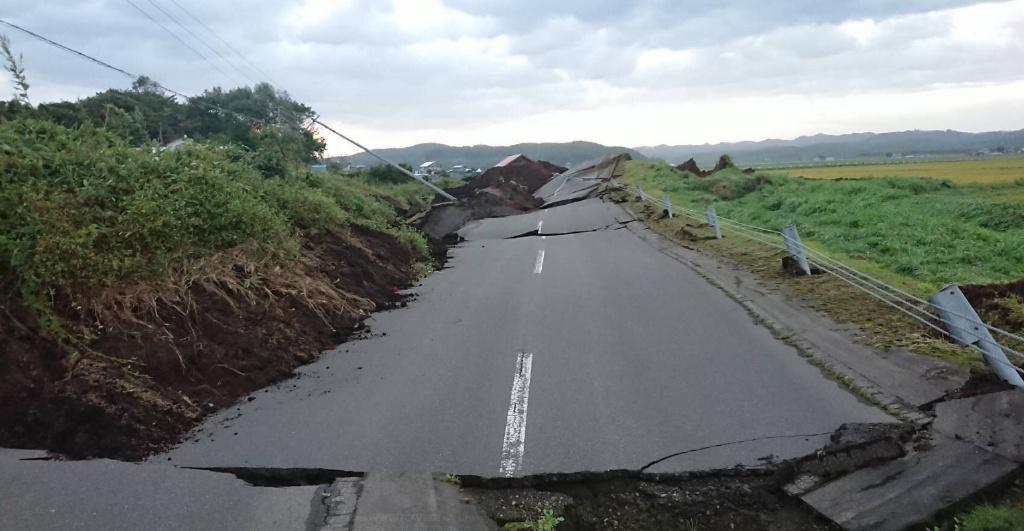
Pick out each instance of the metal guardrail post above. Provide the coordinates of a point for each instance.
(713, 221)
(955, 310)
(796, 247)
(639, 192)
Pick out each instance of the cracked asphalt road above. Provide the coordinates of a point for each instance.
(584, 351)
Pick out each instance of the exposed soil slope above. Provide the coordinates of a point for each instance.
(166, 356)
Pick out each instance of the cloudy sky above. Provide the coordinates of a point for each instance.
(641, 72)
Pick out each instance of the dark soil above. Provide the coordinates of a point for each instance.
(736, 501)
(528, 174)
(691, 166)
(1000, 305)
(144, 384)
(736, 498)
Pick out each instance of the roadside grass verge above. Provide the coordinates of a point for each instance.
(926, 232)
(917, 234)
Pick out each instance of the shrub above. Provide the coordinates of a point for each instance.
(81, 208)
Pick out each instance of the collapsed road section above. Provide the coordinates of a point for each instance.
(517, 185)
(168, 497)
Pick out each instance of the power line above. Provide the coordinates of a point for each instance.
(219, 108)
(200, 39)
(126, 73)
(180, 40)
(256, 68)
(386, 161)
(70, 50)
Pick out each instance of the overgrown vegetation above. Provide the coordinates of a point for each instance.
(986, 518)
(161, 258)
(547, 522)
(82, 209)
(918, 234)
(90, 197)
(930, 232)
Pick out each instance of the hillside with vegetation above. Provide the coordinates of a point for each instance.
(854, 146)
(480, 156)
(143, 287)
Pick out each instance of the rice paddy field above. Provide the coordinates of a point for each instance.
(988, 170)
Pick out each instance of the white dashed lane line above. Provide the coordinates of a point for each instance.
(514, 443)
(538, 266)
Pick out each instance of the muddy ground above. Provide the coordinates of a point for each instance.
(152, 373)
(749, 501)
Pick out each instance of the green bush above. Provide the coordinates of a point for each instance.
(81, 208)
(989, 518)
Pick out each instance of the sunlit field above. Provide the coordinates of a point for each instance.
(990, 170)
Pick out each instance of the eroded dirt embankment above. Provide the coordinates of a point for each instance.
(163, 357)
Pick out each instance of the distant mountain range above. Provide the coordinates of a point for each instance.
(854, 146)
(480, 156)
(841, 147)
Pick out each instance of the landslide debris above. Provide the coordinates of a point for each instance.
(143, 289)
(724, 162)
(505, 189)
(164, 358)
(691, 166)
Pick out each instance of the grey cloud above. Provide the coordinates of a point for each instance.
(516, 58)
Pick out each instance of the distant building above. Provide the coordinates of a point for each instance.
(430, 167)
(318, 168)
(512, 160)
(175, 144)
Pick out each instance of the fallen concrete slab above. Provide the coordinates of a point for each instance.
(580, 181)
(994, 421)
(415, 502)
(910, 491)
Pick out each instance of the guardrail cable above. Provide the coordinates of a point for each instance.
(901, 300)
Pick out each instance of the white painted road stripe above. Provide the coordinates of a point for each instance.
(539, 225)
(538, 266)
(515, 426)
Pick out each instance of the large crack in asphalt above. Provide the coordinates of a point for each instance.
(611, 226)
(732, 498)
(283, 477)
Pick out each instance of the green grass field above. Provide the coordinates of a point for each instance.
(992, 170)
(927, 231)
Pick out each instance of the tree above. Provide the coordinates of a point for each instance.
(260, 117)
(143, 84)
(14, 67)
(386, 173)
